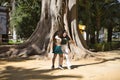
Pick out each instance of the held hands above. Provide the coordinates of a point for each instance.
(71, 42)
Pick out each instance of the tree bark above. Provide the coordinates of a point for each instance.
(55, 15)
(109, 38)
(97, 27)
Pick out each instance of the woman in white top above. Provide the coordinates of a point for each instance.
(57, 50)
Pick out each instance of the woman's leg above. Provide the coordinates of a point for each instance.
(60, 59)
(53, 60)
(66, 53)
(67, 61)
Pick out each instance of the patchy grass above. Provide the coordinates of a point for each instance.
(15, 42)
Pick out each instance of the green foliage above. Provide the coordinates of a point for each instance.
(106, 46)
(96, 14)
(26, 16)
(112, 14)
(11, 42)
(115, 45)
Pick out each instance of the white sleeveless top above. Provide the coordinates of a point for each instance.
(58, 40)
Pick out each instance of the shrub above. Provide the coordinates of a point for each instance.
(106, 46)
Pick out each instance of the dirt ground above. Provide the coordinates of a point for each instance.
(88, 69)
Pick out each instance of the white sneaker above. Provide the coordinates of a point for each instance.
(69, 67)
(60, 67)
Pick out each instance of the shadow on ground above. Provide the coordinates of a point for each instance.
(103, 61)
(5, 60)
(14, 73)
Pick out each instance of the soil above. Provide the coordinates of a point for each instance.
(86, 69)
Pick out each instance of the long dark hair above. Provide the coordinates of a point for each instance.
(64, 31)
(59, 33)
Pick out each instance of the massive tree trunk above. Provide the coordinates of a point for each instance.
(55, 15)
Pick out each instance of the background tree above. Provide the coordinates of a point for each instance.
(111, 18)
(94, 14)
(22, 16)
(84, 10)
(98, 12)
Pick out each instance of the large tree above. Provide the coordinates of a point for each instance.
(55, 15)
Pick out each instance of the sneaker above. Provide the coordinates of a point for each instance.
(60, 67)
(69, 67)
(53, 67)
